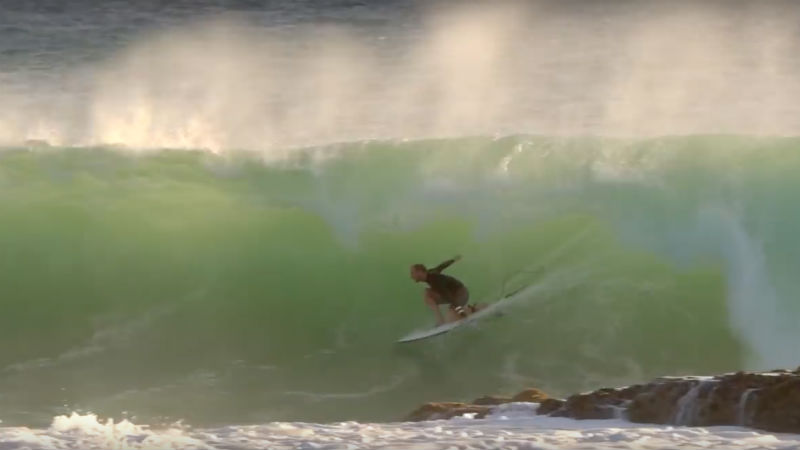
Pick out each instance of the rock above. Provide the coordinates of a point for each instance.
(446, 410)
(532, 395)
(656, 402)
(719, 401)
(549, 406)
(600, 404)
(768, 401)
(493, 400)
(777, 407)
(585, 407)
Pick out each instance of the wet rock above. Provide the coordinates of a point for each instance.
(600, 404)
(446, 410)
(656, 402)
(532, 395)
(604, 403)
(767, 400)
(549, 406)
(585, 407)
(492, 400)
(776, 407)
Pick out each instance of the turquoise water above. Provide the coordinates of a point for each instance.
(184, 285)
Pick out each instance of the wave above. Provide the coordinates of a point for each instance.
(221, 289)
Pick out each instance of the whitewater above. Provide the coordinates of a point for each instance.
(513, 428)
(207, 214)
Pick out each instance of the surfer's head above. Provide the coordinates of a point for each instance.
(419, 272)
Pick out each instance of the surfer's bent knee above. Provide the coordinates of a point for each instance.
(430, 296)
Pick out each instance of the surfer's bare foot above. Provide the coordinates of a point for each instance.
(478, 306)
(453, 316)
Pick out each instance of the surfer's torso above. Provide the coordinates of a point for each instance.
(448, 289)
(444, 285)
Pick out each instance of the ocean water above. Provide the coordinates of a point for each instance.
(208, 210)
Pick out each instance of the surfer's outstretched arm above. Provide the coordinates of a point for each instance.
(444, 265)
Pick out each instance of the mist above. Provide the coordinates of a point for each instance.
(573, 68)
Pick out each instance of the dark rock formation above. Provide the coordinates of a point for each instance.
(768, 400)
(776, 407)
(532, 395)
(550, 405)
(447, 410)
(601, 404)
(491, 400)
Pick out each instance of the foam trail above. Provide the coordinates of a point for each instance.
(541, 264)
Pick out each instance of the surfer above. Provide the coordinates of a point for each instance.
(444, 290)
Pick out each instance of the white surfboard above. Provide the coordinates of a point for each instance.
(490, 310)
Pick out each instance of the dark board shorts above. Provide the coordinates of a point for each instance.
(458, 298)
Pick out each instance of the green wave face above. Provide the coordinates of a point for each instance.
(219, 289)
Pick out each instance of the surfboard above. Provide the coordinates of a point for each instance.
(491, 310)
